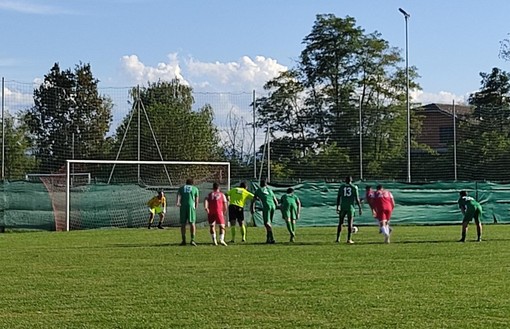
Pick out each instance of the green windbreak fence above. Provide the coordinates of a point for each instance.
(418, 204)
(29, 205)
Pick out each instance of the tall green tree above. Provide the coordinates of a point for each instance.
(486, 131)
(168, 121)
(18, 160)
(316, 106)
(492, 101)
(69, 119)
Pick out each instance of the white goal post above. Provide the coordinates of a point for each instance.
(113, 163)
(86, 176)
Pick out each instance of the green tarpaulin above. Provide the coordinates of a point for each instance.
(29, 205)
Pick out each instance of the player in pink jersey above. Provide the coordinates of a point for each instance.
(215, 205)
(369, 198)
(383, 203)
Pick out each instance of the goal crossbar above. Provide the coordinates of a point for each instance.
(133, 162)
(87, 175)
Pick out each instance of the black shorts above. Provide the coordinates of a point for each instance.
(235, 213)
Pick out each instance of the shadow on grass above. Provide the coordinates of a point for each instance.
(302, 243)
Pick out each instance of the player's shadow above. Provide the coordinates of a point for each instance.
(143, 245)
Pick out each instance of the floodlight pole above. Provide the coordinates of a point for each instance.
(360, 141)
(406, 17)
(254, 136)
(454, 141)
(3, 130)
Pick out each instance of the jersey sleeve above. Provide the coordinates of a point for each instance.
(249, 195)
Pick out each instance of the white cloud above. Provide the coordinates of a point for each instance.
(138, 73)
(442, 97)
(245, 75)
(28, 7)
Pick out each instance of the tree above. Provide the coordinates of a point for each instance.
(181, 133)
(492, 101)
(316, 105)
(486, 131)
(18, 160)
(504, 49)
(69, 119)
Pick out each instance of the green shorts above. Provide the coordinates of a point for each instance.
(349, 212)
(475, 214)
(187, 215)
(268, 214)
(289, 213)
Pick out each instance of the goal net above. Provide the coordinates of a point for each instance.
(119, 190)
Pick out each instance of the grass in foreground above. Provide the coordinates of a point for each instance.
(139, 278)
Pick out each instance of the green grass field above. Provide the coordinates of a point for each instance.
(139, 278)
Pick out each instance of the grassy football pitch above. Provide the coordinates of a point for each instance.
(139, 278)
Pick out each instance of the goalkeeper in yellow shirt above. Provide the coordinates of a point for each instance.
(157, 205)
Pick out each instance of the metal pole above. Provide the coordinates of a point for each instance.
(268, 154)
(360, 142)
(454, 142)
(254, 146)
(406, 17)
(3, 130)
(138, 109)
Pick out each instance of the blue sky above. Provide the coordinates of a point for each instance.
(234, 45)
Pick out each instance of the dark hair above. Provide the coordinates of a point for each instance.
(160, 193)
(463, 193)
(215, 186)
(243, 185)
(379, 187)
(263, 183)
(348, 179)
(290, 190)
(368, 187)
(189, 181)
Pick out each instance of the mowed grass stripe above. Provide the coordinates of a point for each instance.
(139, 278)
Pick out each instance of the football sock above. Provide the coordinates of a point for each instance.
(222, 236)
(183, 237)
(243, 232)
(233, 232)
(193, 237)
(293, 225)
(338, 231)
(213, 236)
(289, 227)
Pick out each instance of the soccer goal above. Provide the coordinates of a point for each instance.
(119, 191)
(60, 179)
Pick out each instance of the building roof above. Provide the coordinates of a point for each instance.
(447, 109)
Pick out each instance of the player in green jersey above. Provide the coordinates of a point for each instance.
(269, 203)
(290, 206)
(471, 209)
(187, 200)
(347, 196)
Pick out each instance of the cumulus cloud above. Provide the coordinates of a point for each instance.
(246, 74)
(442, 97)
(139, 73)
(243, 75)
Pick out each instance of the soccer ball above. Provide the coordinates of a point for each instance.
(355, 229)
